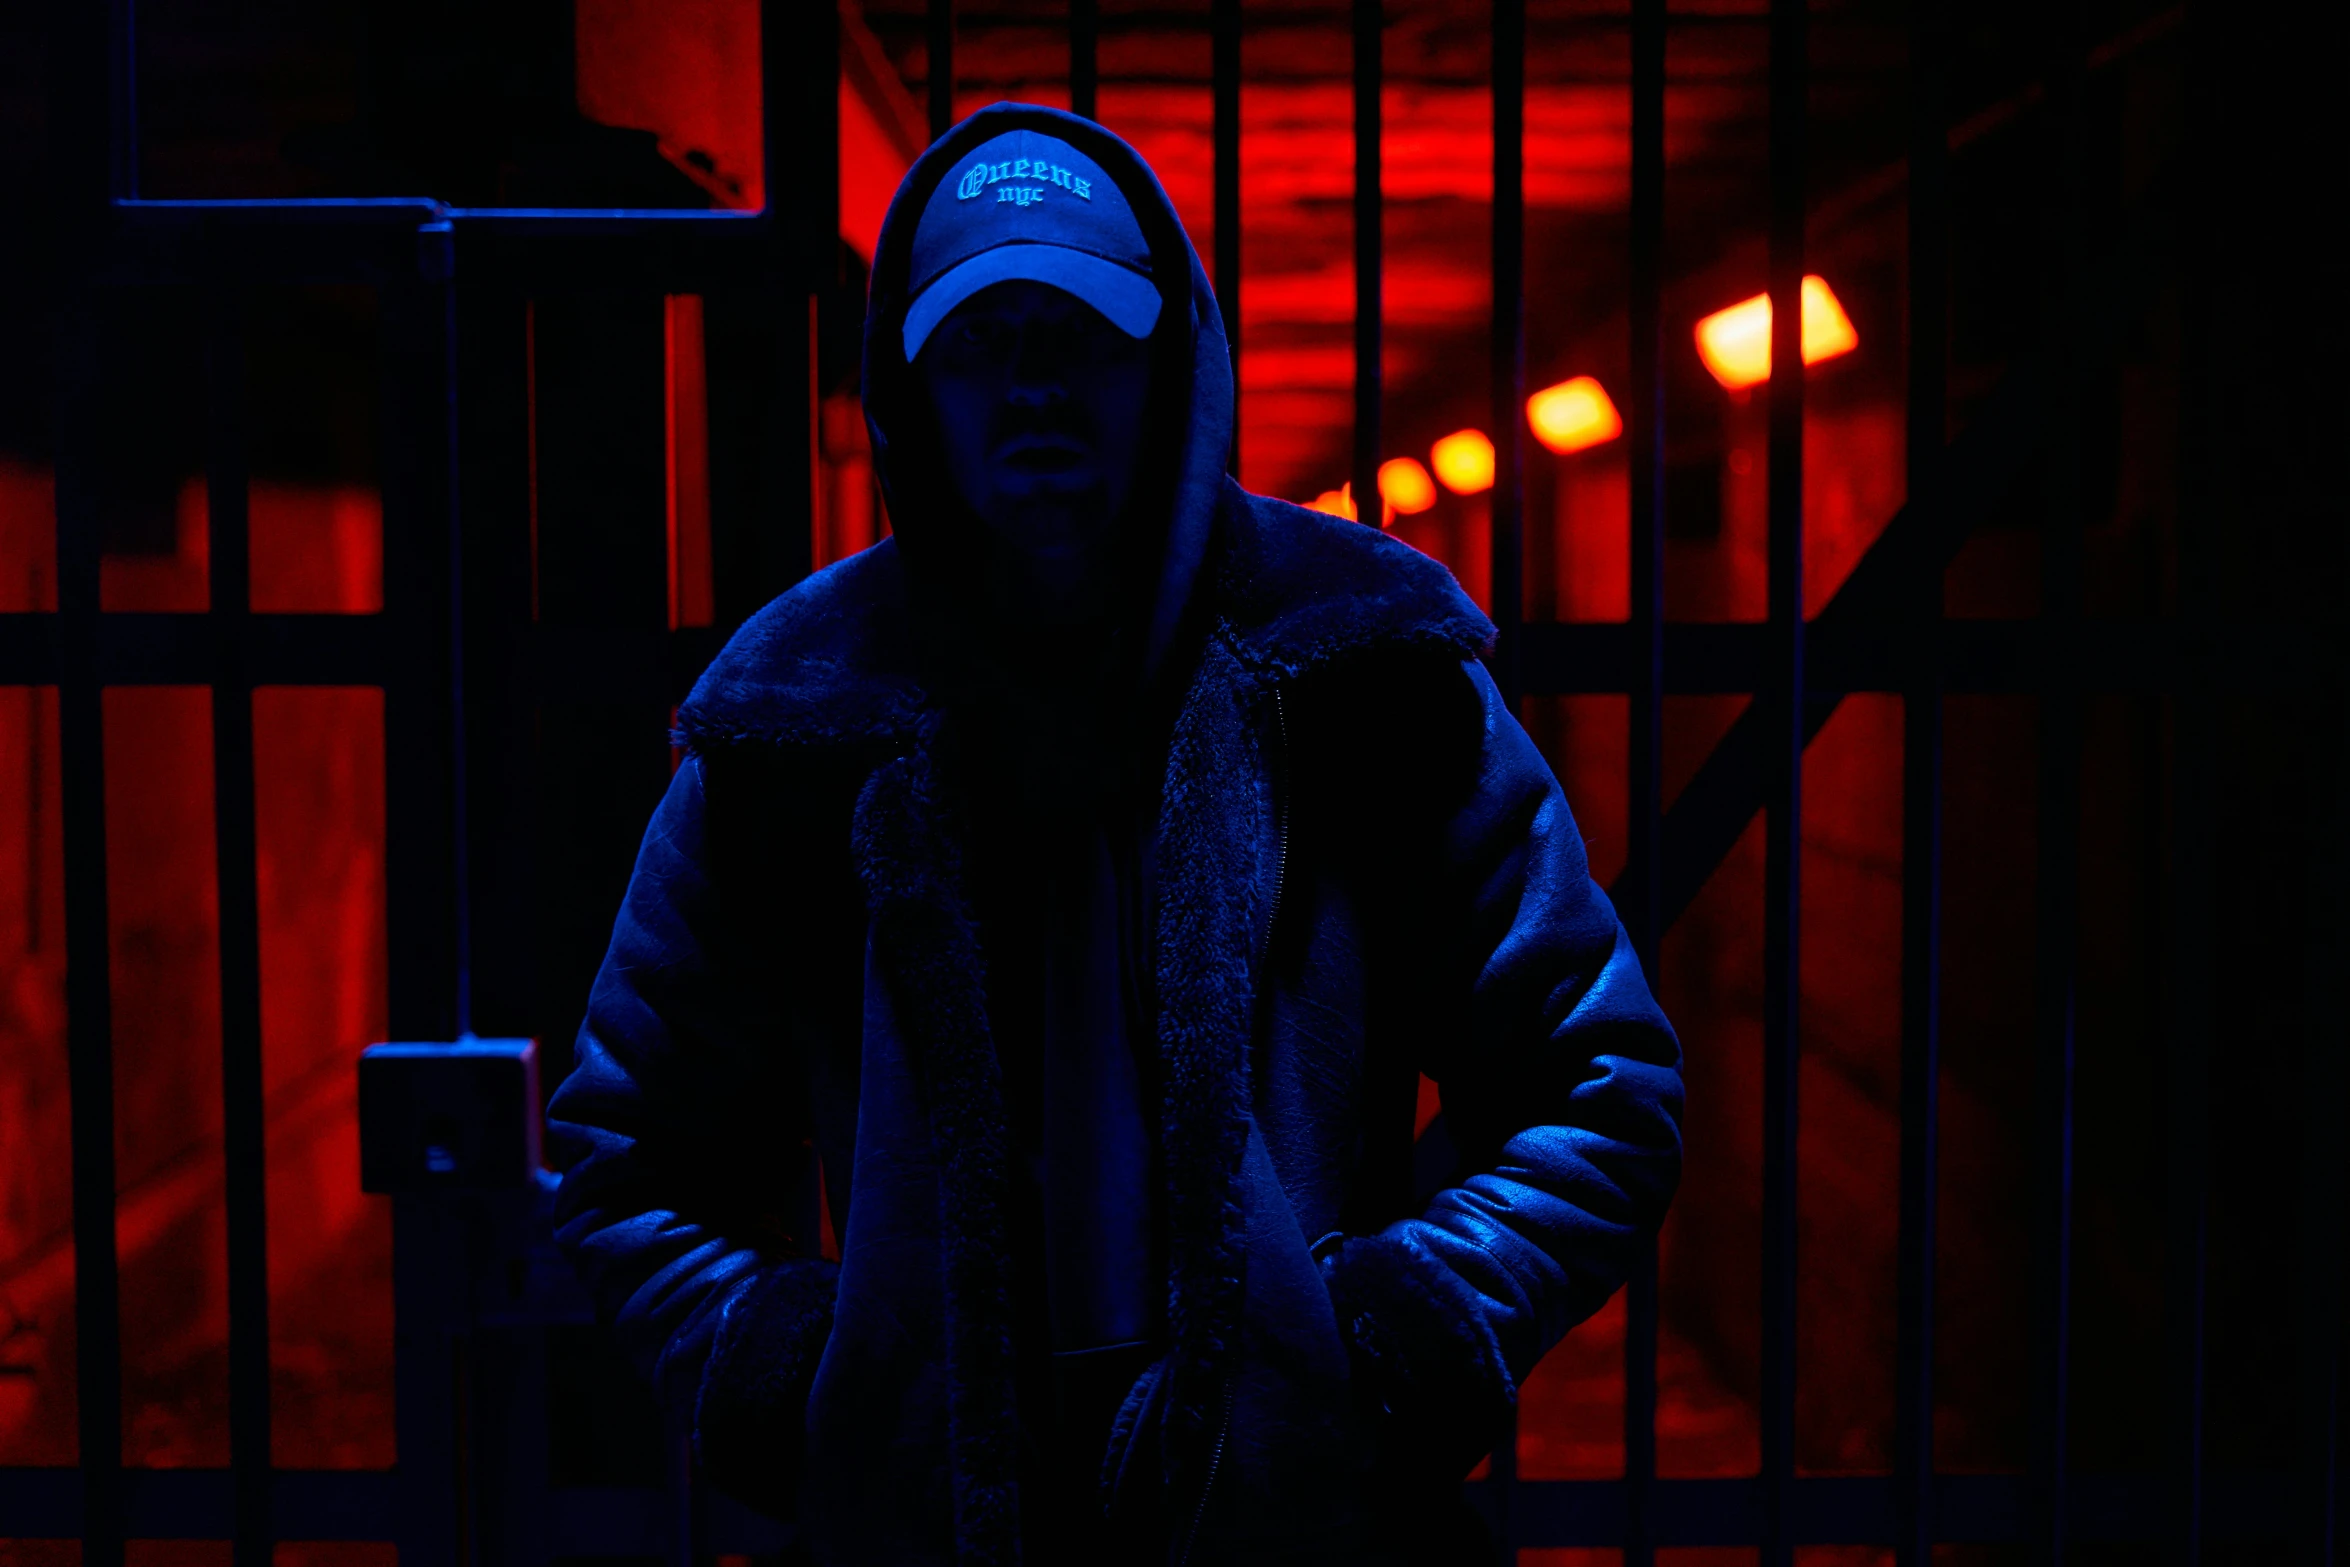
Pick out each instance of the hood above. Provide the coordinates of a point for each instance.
(1190, 411)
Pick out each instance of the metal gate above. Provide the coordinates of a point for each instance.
(471, 1479)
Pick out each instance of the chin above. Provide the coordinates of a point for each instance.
(1066, 489)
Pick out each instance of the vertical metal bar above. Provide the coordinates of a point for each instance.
(800, 77)
(2057, 868)
(1225, 25)
(1645, 790)
(2325, 1054)
(1781, 692)
(818, 57)
(122, 93)
(821, 135)
(1921, 807)
(93, 157)
(939, 30)
(1507, 353)
(1506, 362)
(1369, 19)
(242, 1111)
(2189, 1016)
(425, 867)
(88, 979)
(1085, 29)
(88, 976)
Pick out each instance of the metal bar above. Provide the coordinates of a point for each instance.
(816, 45)
(1368, 20)
(1507, 351)
(2325, 1053)
(1643, 873)
(1921, 804)
(2189, 1016)
(1225, 26)
(89, 1020)
(1782, 702)
(939, 31)
(794, 126)
(242, 1110)
(1085, 28)
(1506, 362)
(813, 66)
(93, 158)
(1700, 658)
(1714, 807)
(122, 94)
(425, 877)
(2057, 868)
(635, 1521)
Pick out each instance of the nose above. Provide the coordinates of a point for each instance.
(1040, 372)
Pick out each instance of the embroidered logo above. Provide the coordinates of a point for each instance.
(981, 175)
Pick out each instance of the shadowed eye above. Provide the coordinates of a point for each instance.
(980, 334)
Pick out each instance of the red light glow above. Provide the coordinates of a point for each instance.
(1463, 461)
(1736, 343)
(1341, 503)
(1573, 415)
(1405, 485)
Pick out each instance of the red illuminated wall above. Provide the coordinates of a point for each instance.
(319, 816)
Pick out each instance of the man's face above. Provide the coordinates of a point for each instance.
(1039, 402)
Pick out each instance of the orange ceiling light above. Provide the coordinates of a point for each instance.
(1572, 415)
(1463, 462)
(1736, 343)
(1405, 485)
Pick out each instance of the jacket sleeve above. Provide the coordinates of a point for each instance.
(1562, 1090)
(674, 1132)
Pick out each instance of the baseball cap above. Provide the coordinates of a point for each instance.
(1029, 206)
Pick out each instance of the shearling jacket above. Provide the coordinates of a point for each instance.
(1366, 874)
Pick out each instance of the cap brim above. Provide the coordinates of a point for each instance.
(1126, 298)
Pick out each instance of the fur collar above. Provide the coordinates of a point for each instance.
(833, 663)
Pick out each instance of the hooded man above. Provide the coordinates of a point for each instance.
(1088, 873)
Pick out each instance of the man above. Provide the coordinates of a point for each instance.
(1089, 872)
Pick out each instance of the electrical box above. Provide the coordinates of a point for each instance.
(456, 1115)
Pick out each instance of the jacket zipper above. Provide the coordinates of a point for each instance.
(1207, 1488)
(1281, 814)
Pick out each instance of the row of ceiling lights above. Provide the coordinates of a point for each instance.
(1734, 344)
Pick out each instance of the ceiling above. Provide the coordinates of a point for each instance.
(1297, 178)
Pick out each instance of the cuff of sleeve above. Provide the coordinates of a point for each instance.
(751, 1412)
(1429, 1369)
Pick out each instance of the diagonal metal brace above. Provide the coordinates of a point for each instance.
(1706, 819)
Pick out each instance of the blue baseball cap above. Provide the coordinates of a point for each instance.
(1030, 206)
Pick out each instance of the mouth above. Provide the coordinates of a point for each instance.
(1043, 454)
